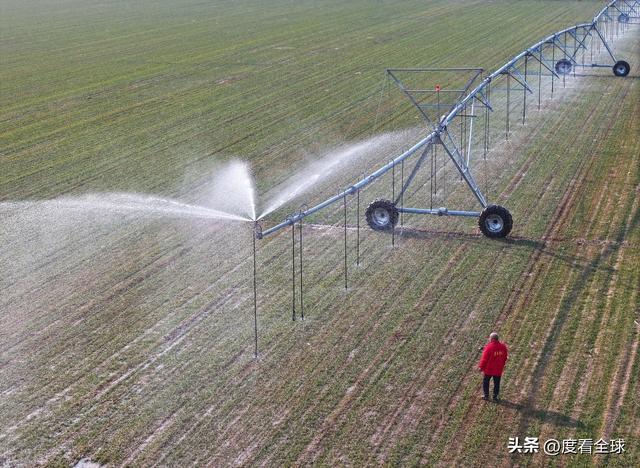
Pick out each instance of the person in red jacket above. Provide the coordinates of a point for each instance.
(492, 362)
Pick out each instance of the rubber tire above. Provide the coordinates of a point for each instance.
(563, 67)
(623, 18)
(503, 213)
(621, 68)
(386, 205)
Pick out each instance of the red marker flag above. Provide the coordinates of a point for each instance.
(437, 87)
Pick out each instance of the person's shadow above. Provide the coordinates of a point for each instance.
(546, 416)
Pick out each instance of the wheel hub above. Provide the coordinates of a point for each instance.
(564, 67)
(381, 217)
(494, 223)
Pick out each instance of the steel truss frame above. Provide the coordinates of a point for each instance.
(572, 44)
(626, 11)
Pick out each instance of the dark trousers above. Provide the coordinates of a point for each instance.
(496, 385)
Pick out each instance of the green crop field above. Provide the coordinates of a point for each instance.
(127, 339)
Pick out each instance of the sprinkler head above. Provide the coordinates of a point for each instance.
(257, 227)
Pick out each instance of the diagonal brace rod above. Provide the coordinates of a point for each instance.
(454, 154)
(411, 98)
(566, 53)
(605, 43)
(544, 64)
(519, 78)
(419, 162)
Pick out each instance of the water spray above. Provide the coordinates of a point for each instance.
(120, 203)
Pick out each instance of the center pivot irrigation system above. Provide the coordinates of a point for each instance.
(555, 56)
(467, 97)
